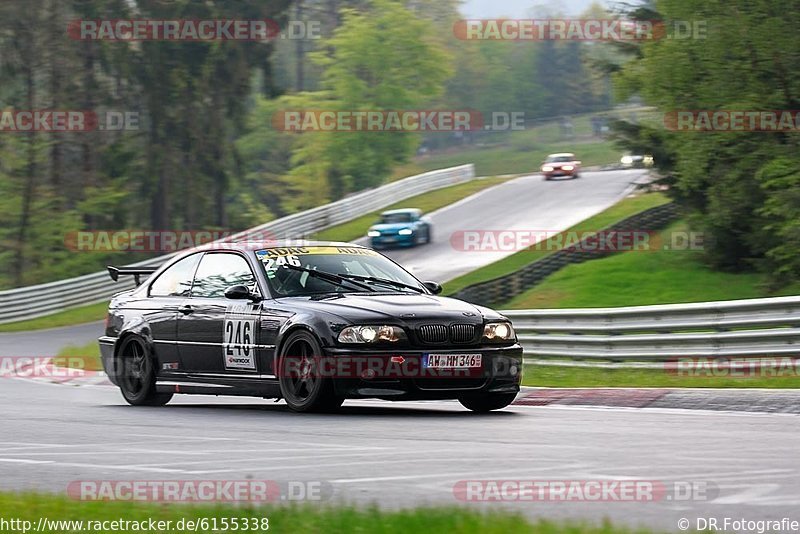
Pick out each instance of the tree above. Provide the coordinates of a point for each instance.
(382, 58)
(732, 184)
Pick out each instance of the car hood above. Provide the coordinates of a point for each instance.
(394, 307)
(391, 227)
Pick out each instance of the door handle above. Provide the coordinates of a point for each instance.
(186, 309)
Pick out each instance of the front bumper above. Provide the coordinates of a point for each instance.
(378, 373)
(395, 240)
(559, 172)
(107, 357)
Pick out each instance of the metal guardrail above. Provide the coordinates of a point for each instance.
(736, 328)
(44, 299)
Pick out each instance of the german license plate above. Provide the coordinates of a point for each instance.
(451, 361)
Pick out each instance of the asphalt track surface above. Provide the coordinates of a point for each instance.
(740, 456)
(525, 203)
(409, 454)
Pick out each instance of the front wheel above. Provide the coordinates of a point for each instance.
(424, 238)
(487, 401)
(137, 377)
(302, 386)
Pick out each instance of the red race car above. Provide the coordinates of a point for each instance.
(564, 164)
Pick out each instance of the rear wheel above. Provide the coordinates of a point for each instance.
(302, 386)
(137, 377)
(487, 402)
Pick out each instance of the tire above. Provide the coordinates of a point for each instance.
(301, 386)
(487, 402)
(424, 240)
(137, 377)
(428, 236)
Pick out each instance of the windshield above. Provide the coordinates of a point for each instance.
(559, 159)
(344, 261)
(393, 218)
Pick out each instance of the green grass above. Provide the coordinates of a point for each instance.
(520, 152)
(297, 519)
(73, 316)
(492, 161)
(639, 278)
(583, 377)
(521, 159)
(85, 357)
(426, 202)
(621, 210)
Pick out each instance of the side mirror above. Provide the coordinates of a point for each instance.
(240, 293)
(433, 287)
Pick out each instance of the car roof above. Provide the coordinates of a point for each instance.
(561, 155)
(402, 210)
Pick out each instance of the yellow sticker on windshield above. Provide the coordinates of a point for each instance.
(279, 252)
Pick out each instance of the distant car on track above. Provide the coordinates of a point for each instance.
(400, 228)
(636, 161)
(312, 323)
(563, 164)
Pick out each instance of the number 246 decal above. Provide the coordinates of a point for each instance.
(274, 263)
(239, 337)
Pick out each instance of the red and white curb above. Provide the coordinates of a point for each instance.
(44, 371)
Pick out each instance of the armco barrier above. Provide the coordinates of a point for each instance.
(736, 328)
(39, 300)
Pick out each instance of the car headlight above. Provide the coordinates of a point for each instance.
(547, 168)
(373, 233)
(567, 167)
(371, 334)
(499, 332)
(406, 231)
(626, 160)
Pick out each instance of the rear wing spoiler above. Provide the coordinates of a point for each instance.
(116, 272)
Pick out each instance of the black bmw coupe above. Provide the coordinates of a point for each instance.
(313, 323)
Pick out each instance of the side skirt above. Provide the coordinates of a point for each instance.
(266, 387)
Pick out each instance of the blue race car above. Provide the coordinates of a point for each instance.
(400, 228)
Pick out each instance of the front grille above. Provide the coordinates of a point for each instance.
(439, 333)
(463, 333)
(433, 333)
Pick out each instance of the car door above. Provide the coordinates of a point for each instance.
(216, 334)
(165, 295)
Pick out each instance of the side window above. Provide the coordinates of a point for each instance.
(218, 272)
(176, 281)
